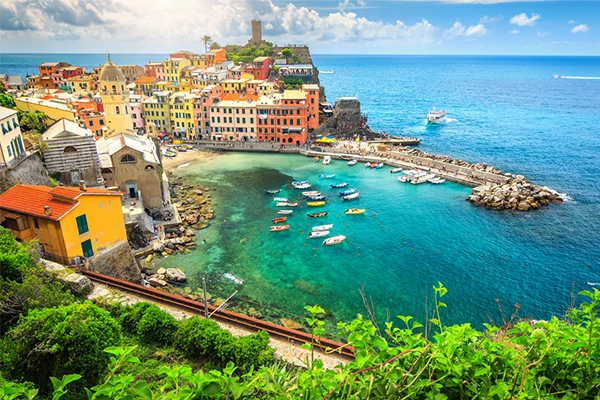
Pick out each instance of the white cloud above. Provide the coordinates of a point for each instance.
(349, 4)
(581, 28)
(543, 33)
(458, 29)
(476, 30)
(572, 21)
(488, 20)
(514, 31)
(523, 20)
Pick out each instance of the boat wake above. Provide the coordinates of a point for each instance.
(594, 78)
(451, 120)
(183, 165)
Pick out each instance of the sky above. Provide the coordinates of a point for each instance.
(486, 27)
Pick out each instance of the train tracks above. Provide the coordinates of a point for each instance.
(293, 336)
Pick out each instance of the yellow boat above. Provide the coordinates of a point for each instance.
(316, 159)
(355, 211)
(315, 203)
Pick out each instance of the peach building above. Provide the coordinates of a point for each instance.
(234, 117)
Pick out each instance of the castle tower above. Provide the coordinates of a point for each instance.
(256, 31)
(115, 99)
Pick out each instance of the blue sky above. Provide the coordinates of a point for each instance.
(336, 27)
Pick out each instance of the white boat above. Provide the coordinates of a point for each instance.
(379, 165)
(233, 278)
(411, 174)
(422, 179)
(284, 212)
(311, 193)
(281, 204)
(322, 227)
(279, 199)
(558, 76)
(318, 234)
(367, 164)
(326, 160)
(334, 240)
(351, 196)
(436, 116)
(352, 162)
(437, 181)
(303, 186)
(393, 171)
(327, 71)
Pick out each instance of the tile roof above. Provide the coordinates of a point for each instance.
(63, 128)
(31, 199)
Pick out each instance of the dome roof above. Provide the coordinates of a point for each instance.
(111, 72)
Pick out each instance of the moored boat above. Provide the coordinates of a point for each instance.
(352, 162)
(339, 185)
(379, 165)
(279, 219)
(437, 181)
(334, 240)
(272, 191)
(326, 160)
(317, 198)
(318, 214)
(327, 176)
(315, 203)
(318, 234)
(292, 204)
(367, 164)
(295, 183)
(355, 211)
(351, 196)
(316, 159)
(393, 171)
(281, 204)
(303, 186)
(279, 199)
(422, 179)
(325, 227)
(285, 212)
(347, 191)
(279, 228)
(373, 165)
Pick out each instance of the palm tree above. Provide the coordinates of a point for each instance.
(207, 42)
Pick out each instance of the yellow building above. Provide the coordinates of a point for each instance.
(115, 98)
(55, 110)
(82, 84)
(234, 85)
(157, 111)
(68, 222)
(181, 107)
(173, 67)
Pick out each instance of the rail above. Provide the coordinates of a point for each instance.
(292, 335)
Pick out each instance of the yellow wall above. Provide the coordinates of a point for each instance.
(54, 114)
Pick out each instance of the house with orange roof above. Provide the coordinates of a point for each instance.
(68, 222)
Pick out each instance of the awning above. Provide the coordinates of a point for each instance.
(161, 135)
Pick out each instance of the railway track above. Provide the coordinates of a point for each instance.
(292, 335)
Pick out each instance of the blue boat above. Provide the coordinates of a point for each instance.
(380, 165)
(327, 176)
(295, 183)
(316, 198)
(347, 192)
(339, 185)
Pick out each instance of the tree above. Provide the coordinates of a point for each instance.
(7, 101)
(35, 121)
(287, 52)
(207, 42)
(215, 46)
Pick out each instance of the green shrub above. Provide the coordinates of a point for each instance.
(198, 338)
(130, 316)
(252, 351)
(156, 326)
(15, 258)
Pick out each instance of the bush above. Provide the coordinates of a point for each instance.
(130, 316)
(156, 326)
(197, 338)
(252, 351)
(15, 258)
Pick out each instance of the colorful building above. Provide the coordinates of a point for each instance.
(12, 82)
(68, 222)
(131, 72)
(156, 112)
(115, 98)
(202, 103)
(282, 118)
(55, 110)
(50, 68)
(136, 111)
(234, 118)
(144, 85)
(181, 108)
(233, 86)
(173, 68)
(312, 99)
(82, 84)
(261, 66)
(11, 140)
(155, 70)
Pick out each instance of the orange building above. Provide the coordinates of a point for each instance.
(283, 118)
(50, 68)
(312, 99)
(216, 56)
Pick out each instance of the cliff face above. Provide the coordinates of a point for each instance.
(30, 171)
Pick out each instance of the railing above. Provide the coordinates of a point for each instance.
(68, 261)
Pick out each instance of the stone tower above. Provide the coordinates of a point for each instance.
(256, 31)
(115, 99)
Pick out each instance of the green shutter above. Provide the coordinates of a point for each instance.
(87, 248)
(82, 225)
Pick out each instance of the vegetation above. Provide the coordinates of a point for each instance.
(249, 53)
(208, 41)
(32, 126)
(6, 100)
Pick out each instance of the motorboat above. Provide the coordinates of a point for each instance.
(279, 228)
(393, 171)
(322, 227)
(316, 159)
(355, 211)
(318, 214)
(351, 196)
(379, 165)
(410, 175)
(279, 219)
(339, 185)
(352, 162)
(422, 179)
(327, 71)
(367, 164)
(436, 116)
(285, 212)
(326, 160)
(437, 181)
(311, 193)
(169, 153)
(292, 204)
(317, 234)
(296, 183)
(347, 192)
(317, 198)
(272, 191)
(281, 204)
(315, 203)
(279, 199)
(334, 240)
(327, 176)
(303, 186)
(373, 165)
(558, 76)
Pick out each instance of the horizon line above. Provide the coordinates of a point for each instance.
(343, 54)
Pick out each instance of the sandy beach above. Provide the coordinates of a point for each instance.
(171, 164)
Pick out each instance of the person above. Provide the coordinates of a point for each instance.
(105, 184)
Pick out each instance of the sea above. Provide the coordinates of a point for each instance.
(507, 111)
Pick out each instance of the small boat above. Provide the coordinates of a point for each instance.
(436, 116)
(339, 185)
(367, 164)
(281, 204)
(318, 214)
(327, 71)
(410, 175)
(296, 183)
(322, 227)
(379, 166)
(285, 212)
(317, 234)
(558, 76)
(279, 199)
(373, 165)
(352, 162)
(279, 228)
(311, 193)
(347, 192)
(315, 203)
(393, 171)
(334, 240)
(169, 153)
(351, 196)
(316, 159)
(292, 204)
(233, 278)
(272, 191)
(279, 219)
(436, 180)
(317, 198)
(303, 186)
(327, 176)
(422, 179)
(355, 211)
(326, 160)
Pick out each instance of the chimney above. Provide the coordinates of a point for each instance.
(47, 211)
(82, 186)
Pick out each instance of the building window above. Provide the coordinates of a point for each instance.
(36, 223)
(82, 225)
(127, 158)
(91, 123)
(70, 149)
(149, 168)
(87, 248)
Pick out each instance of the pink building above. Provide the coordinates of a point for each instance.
(202, 104)
(136, 112)
(234, 118)
(261, 66)
(155, 70)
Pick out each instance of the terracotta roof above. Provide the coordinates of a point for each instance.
(31, 200)
(145, 79)
(238, 97)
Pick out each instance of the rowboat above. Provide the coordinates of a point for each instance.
(284, 212)
(316, 198)
(380, 165)
(279, 199)
(352, 162)
(315, 203)
(272, 191)
(282, 204)
(303, 186)
(367, 164)
(322, 227)
(347, 192)
(393, 171)
(317, 234)
(351, 196)
(327, 176)
(334, 240)
(292, 204)
(296, 183)
(318, 214)
(355, 211)
(316, 159)
(279, 219)
(279, 228)
(311, 193)
(339, 185)
(326, 160)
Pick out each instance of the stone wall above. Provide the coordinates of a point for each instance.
(30, 171)
(302, 52)
(118, 261)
